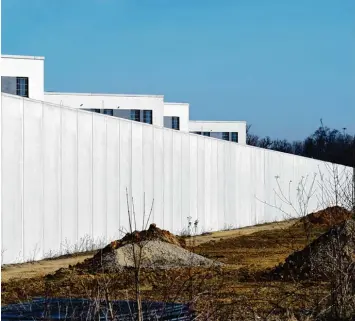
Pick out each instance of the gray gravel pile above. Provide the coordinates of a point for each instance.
(154, 254)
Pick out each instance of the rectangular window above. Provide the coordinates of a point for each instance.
(206, 134)
(235, 137)
(148, 116)
(225, 136)
(22, 86)
(175, 123)
(135, 115)
(108, 112)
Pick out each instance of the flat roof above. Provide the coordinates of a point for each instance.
(23, 57)
(99, 94)
(168, 103)
(217, 121)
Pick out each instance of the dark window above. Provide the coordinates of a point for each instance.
(175, 123)
(135, 115)
(22, 86)
(198, 133)
(206, 133)
(235, 137)
(95, 110)
(225, 136)
(108, 112)
(147, 116)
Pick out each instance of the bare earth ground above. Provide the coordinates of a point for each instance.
(44, 267)
(247, 252)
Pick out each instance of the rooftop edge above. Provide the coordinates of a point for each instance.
(99, 94)
(23, 57)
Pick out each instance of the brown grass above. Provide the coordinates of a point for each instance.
(247, 252)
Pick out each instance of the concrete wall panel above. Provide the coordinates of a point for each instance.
(33, 210)
(12, 180)
(85, 175)
(158, 207)
(69, 226)
(66, 173)
(148, 173)
(51, 179)
(137, 174)
(193, 177)
(125, 195)
(112, 174)
(99, 177)
(168, 179)
(177, 180)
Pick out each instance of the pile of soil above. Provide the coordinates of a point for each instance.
(330, 252)
(153, 233)
(328, 217)
(155, 248)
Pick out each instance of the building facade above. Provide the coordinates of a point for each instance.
(24, 76)
(142, 108)
(176, 116)
(234, 131)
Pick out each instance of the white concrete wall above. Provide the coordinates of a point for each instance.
(66, 171)
(111, 101)
(221, 126)
(181, 110)
(26, 66)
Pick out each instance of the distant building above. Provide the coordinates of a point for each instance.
(234, 131)
(176, 116)
(142, 108)
(24, 76)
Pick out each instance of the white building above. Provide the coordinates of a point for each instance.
(142, 108)
(176, 116)
(234, 131)
(24, 76)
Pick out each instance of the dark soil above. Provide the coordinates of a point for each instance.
(330, 252)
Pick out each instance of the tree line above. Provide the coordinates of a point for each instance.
(325, 144)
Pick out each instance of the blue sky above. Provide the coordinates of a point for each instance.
(280, 65)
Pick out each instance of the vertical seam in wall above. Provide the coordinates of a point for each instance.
(217, 161)
(92, 176)
(181, 189)
(106, 182)
(23, 180)
(119, 176)
(163, 177)
(143, 180)
(197, 200)
(131, 170)
(172, 177)
(77, 175)
(189, 177)
(204, 183)
(61, 178)
(42, 178)
(153, 163)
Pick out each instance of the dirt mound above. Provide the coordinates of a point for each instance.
(322, 257)
(328, 217)
(153, 233)
(154, 248)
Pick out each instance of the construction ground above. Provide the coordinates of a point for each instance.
(242, 285)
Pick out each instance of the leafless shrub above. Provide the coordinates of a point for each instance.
(335, 300)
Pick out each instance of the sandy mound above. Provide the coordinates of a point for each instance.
(328, 217)
(321, 258)
(155, 248)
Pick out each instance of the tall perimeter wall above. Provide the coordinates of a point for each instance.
(65, 173)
